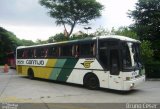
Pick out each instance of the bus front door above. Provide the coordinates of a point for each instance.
(115, 81)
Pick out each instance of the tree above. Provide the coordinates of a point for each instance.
(72, 12)
(39, 41)
(8, 43)
(102, 32)
(60, 37)
(27, 42)
(50, 39)
(147, 23)
(146, 51)
(125, 31)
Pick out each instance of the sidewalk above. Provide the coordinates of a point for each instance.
(10, 71)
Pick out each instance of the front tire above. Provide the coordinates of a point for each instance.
(91, 81)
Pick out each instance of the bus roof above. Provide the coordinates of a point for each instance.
(122, 38)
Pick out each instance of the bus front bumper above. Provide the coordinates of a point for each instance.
(128, 85)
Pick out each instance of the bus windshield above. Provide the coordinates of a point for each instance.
(136, 54)
(131, 55)
(126, 57)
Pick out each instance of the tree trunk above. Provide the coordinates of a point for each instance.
(72, 27)
(65, 30)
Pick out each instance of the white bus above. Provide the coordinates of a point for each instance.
(111, 62)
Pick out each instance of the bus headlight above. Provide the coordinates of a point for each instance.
(132, 85)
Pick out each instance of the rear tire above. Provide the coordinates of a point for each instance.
(91, 81)
(30, 74)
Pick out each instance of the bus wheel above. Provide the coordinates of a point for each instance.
(30, 74)
(91, 81)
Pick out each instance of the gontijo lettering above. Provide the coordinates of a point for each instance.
(35, 62)
(38, 62)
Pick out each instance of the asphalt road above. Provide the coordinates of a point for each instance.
(18, 89)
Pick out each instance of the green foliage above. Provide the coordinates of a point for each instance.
(125, 31)
(50, 39)
(72, 12)
(9, 43)
(102, 32)
(39, 41)
(60, 37)
(27, 42)
(84, 36)
(147, 23)
(146, 51)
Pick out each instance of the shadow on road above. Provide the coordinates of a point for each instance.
(119, 91)
(81, 86)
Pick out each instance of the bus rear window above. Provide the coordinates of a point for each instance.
(20, 53)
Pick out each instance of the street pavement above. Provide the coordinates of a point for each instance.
(19, 89)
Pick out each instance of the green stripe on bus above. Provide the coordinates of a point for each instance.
(57, 68)
(67, 69)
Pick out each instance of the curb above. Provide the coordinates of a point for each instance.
(153, 79)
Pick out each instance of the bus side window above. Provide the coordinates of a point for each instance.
(73, 50)
(93, 47)
(41, 52)
(25, 54)
(86, 50)
(34, 53)
(77, 51)
(30, 53)
(45, 52)
(59, 51)
(66, 50)
(51, 52)
(55, 51)
(38, 52)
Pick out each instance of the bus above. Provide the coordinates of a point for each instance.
(112, 62)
